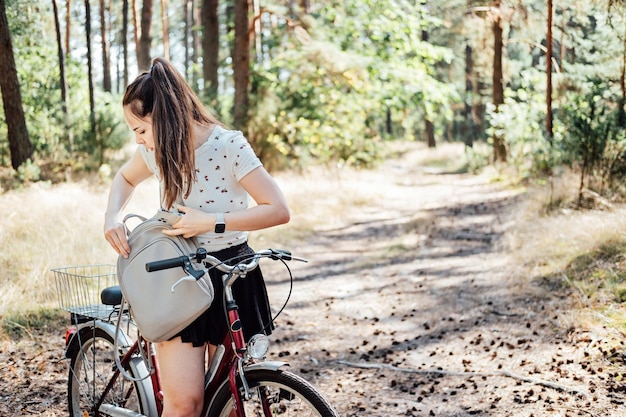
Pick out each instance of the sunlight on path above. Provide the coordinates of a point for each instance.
(415, 275)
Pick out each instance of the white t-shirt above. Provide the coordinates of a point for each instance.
(221, 162)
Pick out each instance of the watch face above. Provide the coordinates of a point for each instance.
(220, 227)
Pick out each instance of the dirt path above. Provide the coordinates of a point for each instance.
(409, 307)
(414, 308)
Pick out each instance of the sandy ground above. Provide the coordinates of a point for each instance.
(410, 305)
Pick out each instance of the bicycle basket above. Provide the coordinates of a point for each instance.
(79, 287)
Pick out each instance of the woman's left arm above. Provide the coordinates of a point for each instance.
(271, 209)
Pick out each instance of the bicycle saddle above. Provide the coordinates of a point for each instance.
(111, 296)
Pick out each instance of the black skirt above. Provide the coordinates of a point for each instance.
(250, 295)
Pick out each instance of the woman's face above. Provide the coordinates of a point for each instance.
(142, 128)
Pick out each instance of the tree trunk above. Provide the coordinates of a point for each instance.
(136, 28)
(63, 79)
(210, 48)
(165, 4)
(195, 36)
(429, 128)
(19, 142)
(145, 38)
(106, 59)
(469, 98)
(258, 45)
(241, 64)
(499, 147)
(92, 106)
(621, 115)
(498, 90)
(549, 75)
(63, 82)
(563, 49)
(124, 40)
(187, 20)
(430, 133)
(68, 20)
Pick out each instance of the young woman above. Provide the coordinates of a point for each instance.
(211, 172)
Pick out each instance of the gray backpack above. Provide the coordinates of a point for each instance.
(163, 302)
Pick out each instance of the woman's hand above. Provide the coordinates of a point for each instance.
(115, 234)
(193, 222)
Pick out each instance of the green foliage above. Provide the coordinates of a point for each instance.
(327, 91)
(28, 172)
(333, 85)
(56, 134)
(111, 130)
(401, 66)
(594, 139)
(31, 51)
(589, 119)
(45, 115)
(477, 159)
(587, 135)
(41, 99)
(317, 111)
(520, 121)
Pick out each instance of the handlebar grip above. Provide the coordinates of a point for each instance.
(166, 264)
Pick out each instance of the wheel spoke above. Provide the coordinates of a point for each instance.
(91, 368)
(275, 393)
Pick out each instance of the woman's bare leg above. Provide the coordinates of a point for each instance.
(181, 367)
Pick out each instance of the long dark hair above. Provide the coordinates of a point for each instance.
(164, 94)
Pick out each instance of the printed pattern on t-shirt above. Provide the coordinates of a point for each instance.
(221, 162)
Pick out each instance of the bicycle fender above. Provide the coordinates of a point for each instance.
(87, 328)
(146, 391)
(266, 366)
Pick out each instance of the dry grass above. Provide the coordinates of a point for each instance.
(54, 226)
(581, 250)
(549, 239)
(46, 227)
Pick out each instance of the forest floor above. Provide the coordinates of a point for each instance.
(413, 304)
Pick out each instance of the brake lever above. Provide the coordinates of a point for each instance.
(277, 254)
(192, 274)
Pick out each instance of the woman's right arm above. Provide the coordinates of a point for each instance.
(126, 179)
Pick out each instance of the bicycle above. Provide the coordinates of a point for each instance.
(112, 375)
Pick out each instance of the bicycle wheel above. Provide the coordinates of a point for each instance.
(274, 393)
(91, 368)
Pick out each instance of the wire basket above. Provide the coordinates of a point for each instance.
(79, 288)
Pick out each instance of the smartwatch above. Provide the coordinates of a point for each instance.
(220, 223)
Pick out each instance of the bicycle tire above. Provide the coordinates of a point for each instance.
(91, 368)
(288, 395)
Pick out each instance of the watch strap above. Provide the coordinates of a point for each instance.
(220, 223)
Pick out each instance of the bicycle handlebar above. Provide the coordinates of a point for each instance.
(239, 268)
(166, 264)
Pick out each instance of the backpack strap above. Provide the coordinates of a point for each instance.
(130, 216)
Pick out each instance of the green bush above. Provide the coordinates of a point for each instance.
(317, 112)
(594, 142)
